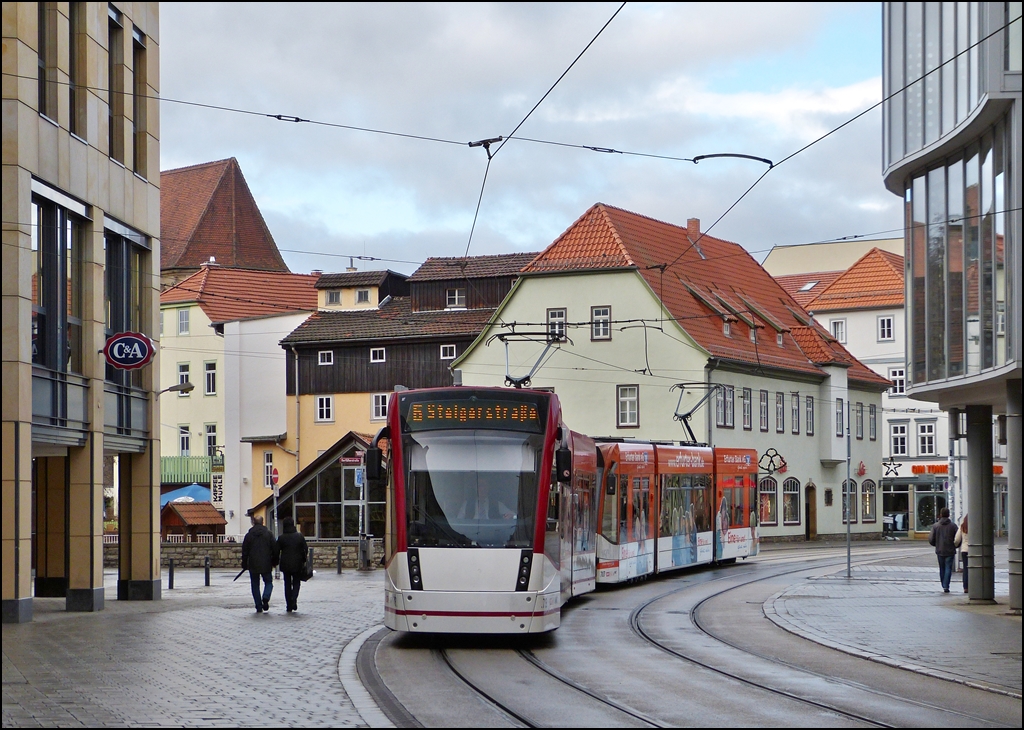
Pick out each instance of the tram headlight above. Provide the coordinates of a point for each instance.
(414, 569)
(525, 563)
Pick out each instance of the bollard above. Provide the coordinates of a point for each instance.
(170, 575)
(207, 565)
(339, 559)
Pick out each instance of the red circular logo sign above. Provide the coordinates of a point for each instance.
(273, 477)
(129, 350)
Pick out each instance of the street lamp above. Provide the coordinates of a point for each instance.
(185, 387)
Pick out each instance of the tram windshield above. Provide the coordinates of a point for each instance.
(471, 488)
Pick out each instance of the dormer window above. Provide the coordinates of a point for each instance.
(333, 296)
(778, 339)
(455, 298)
(726, 329)
(362, 296)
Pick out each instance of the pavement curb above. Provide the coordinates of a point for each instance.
(347, 673)
(775, 611)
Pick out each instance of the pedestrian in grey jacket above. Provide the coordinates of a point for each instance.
(942, 538)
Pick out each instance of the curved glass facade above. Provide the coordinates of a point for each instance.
(958, 291)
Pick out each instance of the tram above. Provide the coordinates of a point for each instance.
(498, 513)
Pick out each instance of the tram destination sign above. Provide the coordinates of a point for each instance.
(445, 411)
(129, 350)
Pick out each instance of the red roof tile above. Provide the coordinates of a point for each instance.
(875, 280)
(196, 513)
(805, 287)
(226, 293)
(208, 210)
(675, 265)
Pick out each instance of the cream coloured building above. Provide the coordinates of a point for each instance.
(636, 324)
(81, 210)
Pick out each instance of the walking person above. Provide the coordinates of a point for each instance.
(941, 538)
(960, 542)
(292, 546)
(259, 556)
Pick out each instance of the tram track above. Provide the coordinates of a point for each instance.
(610, 708)
(694, 615)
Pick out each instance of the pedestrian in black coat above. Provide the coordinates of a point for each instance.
(259, 556)
(292, 546)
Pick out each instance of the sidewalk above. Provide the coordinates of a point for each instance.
(894, 612)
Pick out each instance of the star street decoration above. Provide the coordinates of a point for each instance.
(892, 467)
(771, 461)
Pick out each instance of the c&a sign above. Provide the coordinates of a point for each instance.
(129, 350)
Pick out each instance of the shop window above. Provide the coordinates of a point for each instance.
(867, 501)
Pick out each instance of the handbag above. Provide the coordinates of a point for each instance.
(307, 567)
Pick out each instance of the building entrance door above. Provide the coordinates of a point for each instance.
(810, 512)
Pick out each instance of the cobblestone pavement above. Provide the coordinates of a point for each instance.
(894, 611)
(201, 657)
(198, 657)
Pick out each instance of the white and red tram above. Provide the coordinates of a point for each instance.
(498, 513)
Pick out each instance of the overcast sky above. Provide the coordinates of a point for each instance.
(675, 80)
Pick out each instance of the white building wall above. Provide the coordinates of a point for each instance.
(255, 403)
(586, 373)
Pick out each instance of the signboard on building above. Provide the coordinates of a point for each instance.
(129, 350)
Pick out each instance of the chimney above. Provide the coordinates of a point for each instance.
(351, 264)
(693, 227)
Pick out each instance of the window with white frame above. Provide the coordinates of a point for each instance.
(183, 321)
(867, 501)
(455, 298)
(184, 441)
(210, 372)
(780, 412)
(556, 324)
(730, 406)
(628, 401)
(268, 469)
(791, 502)
(850, 498)
(885, 331)
(926, 439)
(377, 354)
(898, 439)
(810, 415)
(362, 296)
(379, 408)
(898, 376)
(763, 410)
(211, 439)
(860, 420)
(725, 396)
(794, 411)
(872, 422)
(333, 296)
(768, 495)
(184, 375)
(748, 406)
(325, 357)
(600, 323)
(447, 352)
(325, 408)
(838, 329)
(839, 416)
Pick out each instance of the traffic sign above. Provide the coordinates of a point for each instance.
(273, 477)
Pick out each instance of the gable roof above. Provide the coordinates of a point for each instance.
(471, 267)
(227, 294)
(875, 280)
(701, 281)
(394, 319)
(208, 210)
(195, 513)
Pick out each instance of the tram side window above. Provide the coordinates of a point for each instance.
(623, 507)
(702, 502)
(608, 508)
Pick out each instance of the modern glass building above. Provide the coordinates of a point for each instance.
(952, 151)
